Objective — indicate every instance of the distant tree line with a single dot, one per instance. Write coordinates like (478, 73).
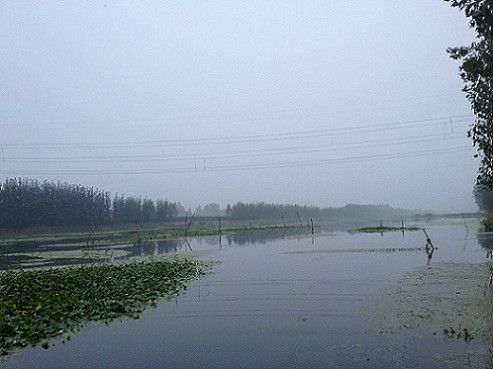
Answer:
(209, 210)
(263, 210)
(31, 203)
(126, 210)
(28, 203)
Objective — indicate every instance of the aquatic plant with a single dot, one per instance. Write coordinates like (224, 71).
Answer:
(38, 304)
(453, 298)
(357, 250)
(130, 234)
(382, 229)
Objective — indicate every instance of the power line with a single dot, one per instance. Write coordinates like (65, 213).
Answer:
(354, 159)
(259, 137)
(243, 153)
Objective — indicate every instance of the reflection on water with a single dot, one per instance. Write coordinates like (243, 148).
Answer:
(245, 238)
(32, 254)
(153, 248)
(429, 248)
(485, 240)
(429, 252)
(59, 252)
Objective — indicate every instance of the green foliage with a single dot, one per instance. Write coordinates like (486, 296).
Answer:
(477, 73)
(294, 213)
(29, 203)
(386, 229)
(488, 224)
(36, 305)
(483, 197)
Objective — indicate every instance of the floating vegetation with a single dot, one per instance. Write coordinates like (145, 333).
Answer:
(94, 254)
(36, 305)
(386, 229)
(358, 250)
(133, 234)
(451, 333)
(449, 299)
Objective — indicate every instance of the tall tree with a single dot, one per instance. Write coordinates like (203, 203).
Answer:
(483, 197)
(148, 211)
(30, 203)
(477, 73)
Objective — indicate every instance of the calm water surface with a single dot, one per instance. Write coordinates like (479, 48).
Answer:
(267, 307)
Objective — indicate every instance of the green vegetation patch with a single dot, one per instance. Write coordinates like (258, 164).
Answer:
(358, 250)
(135, 235)
(488, 223)
(76, 254)
(451, 299)
(386, 229)
(38, 304)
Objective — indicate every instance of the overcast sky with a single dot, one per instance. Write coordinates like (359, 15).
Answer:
(312, 102)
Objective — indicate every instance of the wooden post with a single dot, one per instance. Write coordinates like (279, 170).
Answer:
(313, 230)
(428, 240)
(188, 244)
(299, 218)
(188, 227)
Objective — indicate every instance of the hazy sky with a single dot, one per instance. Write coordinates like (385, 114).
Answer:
(310, 102)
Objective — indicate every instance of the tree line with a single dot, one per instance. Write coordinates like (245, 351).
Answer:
(26, 203)
(30, 203)
(264, 210)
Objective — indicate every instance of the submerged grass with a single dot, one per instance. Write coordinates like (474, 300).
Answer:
(451, 299)
(357, 250)
(38, 304)
(95, 254)
(386, 229)
(133, 234)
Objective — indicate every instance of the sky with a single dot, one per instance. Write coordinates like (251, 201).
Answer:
(311, 102)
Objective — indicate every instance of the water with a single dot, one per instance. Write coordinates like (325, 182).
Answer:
(266, 306)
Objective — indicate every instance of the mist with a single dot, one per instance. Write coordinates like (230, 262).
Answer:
(315, 103)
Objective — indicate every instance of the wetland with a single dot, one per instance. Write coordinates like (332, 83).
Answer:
(285, 297)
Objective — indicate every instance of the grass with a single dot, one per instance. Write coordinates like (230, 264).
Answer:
(95, 254)
(488, 223)
(131, 234)
(357, 250)
(36, 305)
(386, 229)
